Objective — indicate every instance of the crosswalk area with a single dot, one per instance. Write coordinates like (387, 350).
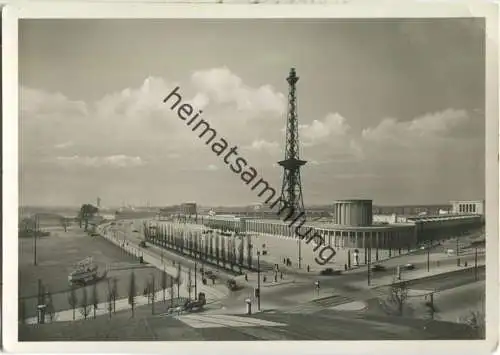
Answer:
(224, 321)
(318, 305)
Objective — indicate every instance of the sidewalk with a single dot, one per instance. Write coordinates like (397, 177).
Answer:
(212, 293)
(410, 275)
(186, 259)
(102, 308)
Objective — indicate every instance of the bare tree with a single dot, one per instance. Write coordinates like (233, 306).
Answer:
(22, 310)
(164, 283)
(132, 290)
(146, 291)
(85, 307)
(94, 299)
(50, 305)
(398, 294)
(171, 291)
(109, 299)
(73, 300)
(152, 289)
(476, 320)
(64, 224)
(41, 292)
(114, 292)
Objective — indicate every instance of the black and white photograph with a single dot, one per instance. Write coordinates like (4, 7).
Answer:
(253, 178)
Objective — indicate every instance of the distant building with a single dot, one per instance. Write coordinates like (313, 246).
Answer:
(355, 226)
(188, 209)
(468, 207)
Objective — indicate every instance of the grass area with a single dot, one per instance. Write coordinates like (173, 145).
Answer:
(56, 255)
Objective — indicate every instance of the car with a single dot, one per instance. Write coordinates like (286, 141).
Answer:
(329, 271)
(142, 244)
(135, 231)
(408, 267)
(378, 268)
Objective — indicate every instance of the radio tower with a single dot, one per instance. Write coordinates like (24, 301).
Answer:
(291, 188)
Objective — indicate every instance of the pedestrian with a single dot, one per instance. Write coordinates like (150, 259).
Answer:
(264, 279)
(345, 267)
(281, 275)
(308, 268)
(246, 277)
(284, 261)
(276, 277)
(213, 280)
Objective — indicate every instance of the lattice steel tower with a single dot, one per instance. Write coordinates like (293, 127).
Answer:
(291, 189)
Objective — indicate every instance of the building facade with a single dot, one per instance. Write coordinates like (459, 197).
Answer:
(468, 207)
(188, 209)
(353, 213)
(356, 227)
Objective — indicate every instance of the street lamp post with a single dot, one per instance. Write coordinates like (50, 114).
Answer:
(300, 251)
(475, 264)
(195, 284)
(428, 254)
(35, 232)
(258, 279)
(369, 260)
(458, 254)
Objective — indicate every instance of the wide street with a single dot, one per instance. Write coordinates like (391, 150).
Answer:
(278, 325)
(298, 286)
(344, 308)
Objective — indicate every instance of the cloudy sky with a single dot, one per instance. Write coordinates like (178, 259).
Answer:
(391, 110)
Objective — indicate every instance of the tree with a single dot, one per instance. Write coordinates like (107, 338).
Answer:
(50, 305)
(114, 292)
(85, 307)
(171, 291)
(22, 310)
(64, 223)
(109, 299)
(86, 211)
(398, 295)
(73, 300)
(152, 289)
(132, 290)
(476, 320)
(189, 283)
(41, 292)
(94, 299)
(164, 283)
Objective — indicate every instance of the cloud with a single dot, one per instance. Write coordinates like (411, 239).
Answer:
(36, 103)
(424, 129)
(318, 131)
(64, 145)
(263, 145)
(224, 87)
(133, 128)
(118, 161)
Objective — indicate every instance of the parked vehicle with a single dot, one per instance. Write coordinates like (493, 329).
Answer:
(408, 267)
(329, 271)
(143, 244)
(378, 268)
(232, 285)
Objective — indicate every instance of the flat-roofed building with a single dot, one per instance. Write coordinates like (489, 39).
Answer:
(468, 207)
